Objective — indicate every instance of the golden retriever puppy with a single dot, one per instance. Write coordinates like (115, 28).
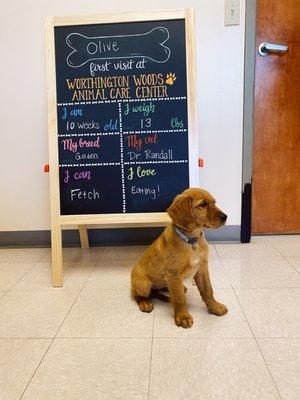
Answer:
(179, 252)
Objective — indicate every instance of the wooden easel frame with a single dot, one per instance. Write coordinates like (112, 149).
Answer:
(59, 221)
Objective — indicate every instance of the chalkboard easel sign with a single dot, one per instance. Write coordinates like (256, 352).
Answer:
(122, 119)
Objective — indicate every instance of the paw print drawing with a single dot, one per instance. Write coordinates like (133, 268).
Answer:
(171, 78)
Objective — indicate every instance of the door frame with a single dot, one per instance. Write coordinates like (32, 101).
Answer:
(248, 121)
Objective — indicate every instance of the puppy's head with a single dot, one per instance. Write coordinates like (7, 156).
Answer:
(196, 208)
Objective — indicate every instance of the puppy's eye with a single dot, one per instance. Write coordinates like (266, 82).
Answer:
(203, 204)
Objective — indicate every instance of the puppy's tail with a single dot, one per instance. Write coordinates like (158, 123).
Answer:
(155, 294)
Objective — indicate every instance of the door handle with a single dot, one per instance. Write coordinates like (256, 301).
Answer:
(264, 48)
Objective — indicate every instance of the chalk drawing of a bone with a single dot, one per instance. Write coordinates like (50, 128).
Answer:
(149, 45)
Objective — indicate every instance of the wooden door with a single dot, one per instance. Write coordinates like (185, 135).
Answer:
(276, 151)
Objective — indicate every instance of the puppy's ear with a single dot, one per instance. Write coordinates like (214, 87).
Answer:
(181, 212)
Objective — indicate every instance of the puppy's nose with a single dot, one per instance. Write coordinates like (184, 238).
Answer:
(223, 217)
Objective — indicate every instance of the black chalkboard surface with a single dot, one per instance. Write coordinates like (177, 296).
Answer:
(122, 116)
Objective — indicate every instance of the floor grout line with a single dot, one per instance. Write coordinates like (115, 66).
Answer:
(77, 337)
(220, 337)
(34, 372)
(248, 323)
(257, 344)
(254, 287)
(151, 352)
(27, 272)
(224, 269)
(154, 337)
(3, 293)
(45, 255)
(83, 288)
(283, 256)
(51, 342)
(70, 289)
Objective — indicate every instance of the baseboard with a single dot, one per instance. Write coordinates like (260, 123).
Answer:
(108, 237)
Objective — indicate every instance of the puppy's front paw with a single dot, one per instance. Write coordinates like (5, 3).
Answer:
(146, 305)
(185, 320)
(217, 308)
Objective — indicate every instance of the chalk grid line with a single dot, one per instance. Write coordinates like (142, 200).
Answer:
(156, 162)
(155, 131)
(124, 163)
(88, 134)
(79, 103)
(122, 156)
(121, 133)
(104, 164)
(124, 133)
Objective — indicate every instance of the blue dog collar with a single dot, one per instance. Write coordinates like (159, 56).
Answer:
(185, 238)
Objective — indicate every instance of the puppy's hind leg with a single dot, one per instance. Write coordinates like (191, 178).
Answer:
(141, 289)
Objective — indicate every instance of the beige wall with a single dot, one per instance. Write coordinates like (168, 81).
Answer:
(24, 196)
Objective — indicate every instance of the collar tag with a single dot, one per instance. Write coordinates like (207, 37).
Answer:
(192, 241)
(185, 238)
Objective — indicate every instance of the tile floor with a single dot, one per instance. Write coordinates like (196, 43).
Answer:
(89, 341)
